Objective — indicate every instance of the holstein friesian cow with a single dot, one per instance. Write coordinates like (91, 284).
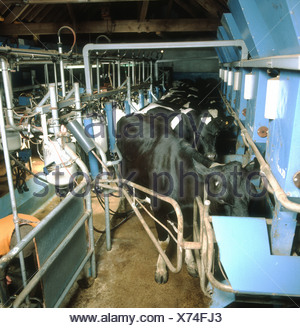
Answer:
(200, 128)
(154, 157)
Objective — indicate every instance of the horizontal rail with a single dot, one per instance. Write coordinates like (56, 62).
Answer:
(290, 62)
(130, 199)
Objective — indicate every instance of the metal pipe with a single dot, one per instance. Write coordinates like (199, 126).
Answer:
(45, 98)
(133, 73)
(210, 252)
(154, 239)
(77, 103)
(71, 75)
(46, 74)
(4, 261)
(88, 201)
(77, 160)
(62, 72)
(156, 71)
(264, 166)
(55, 80)
(54, 109)
(150, 73)
(11, 189)
(114, 76)
(119, 74)
(88, 205)
(139, 81)
(37, 277)
(8, 94)
(29, 52)
(98, 75)
(160, 45)
(44, 127)
(172, 202)
(143, 70)
(199, 235)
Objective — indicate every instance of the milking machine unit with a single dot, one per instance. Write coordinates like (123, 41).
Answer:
(74, 133)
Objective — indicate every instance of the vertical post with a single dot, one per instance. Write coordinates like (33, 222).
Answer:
(7, 84)
(46, 75)
(54, 109)
(11, 191)
(98, 75)
(133, 73)
(110, 125)
(127, 107)
(143, 70)
(156, 71)
(150, 99)
(88, 124)
(88, 203)
(283, 231)
(141, 99)
(114, 75)
(119, 74)
(77, 103)
(62, 72)
(139, 80)
(55, 80)
(112, 142)
(157, 92)
(71, 76)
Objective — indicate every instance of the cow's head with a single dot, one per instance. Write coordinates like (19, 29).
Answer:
(206, 143)
(229, 187)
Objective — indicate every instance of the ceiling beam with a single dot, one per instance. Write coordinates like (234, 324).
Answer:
(144, 10)
(44, 13)
(119, 26)
(35, 12)
(15, 14)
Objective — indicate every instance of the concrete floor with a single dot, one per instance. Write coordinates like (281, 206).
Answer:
(125, 277)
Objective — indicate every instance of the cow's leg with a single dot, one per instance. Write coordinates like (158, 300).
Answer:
(191, 263)
(161, 273)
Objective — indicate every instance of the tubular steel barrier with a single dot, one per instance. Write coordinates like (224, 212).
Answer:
(86, 216)
(203, 244)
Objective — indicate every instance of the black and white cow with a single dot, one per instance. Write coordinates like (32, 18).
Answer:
(154, 157)
(200, 129)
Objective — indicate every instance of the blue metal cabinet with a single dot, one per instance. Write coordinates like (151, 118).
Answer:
(256, 108)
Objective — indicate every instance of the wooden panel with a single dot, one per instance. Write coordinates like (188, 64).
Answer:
(120, 26)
